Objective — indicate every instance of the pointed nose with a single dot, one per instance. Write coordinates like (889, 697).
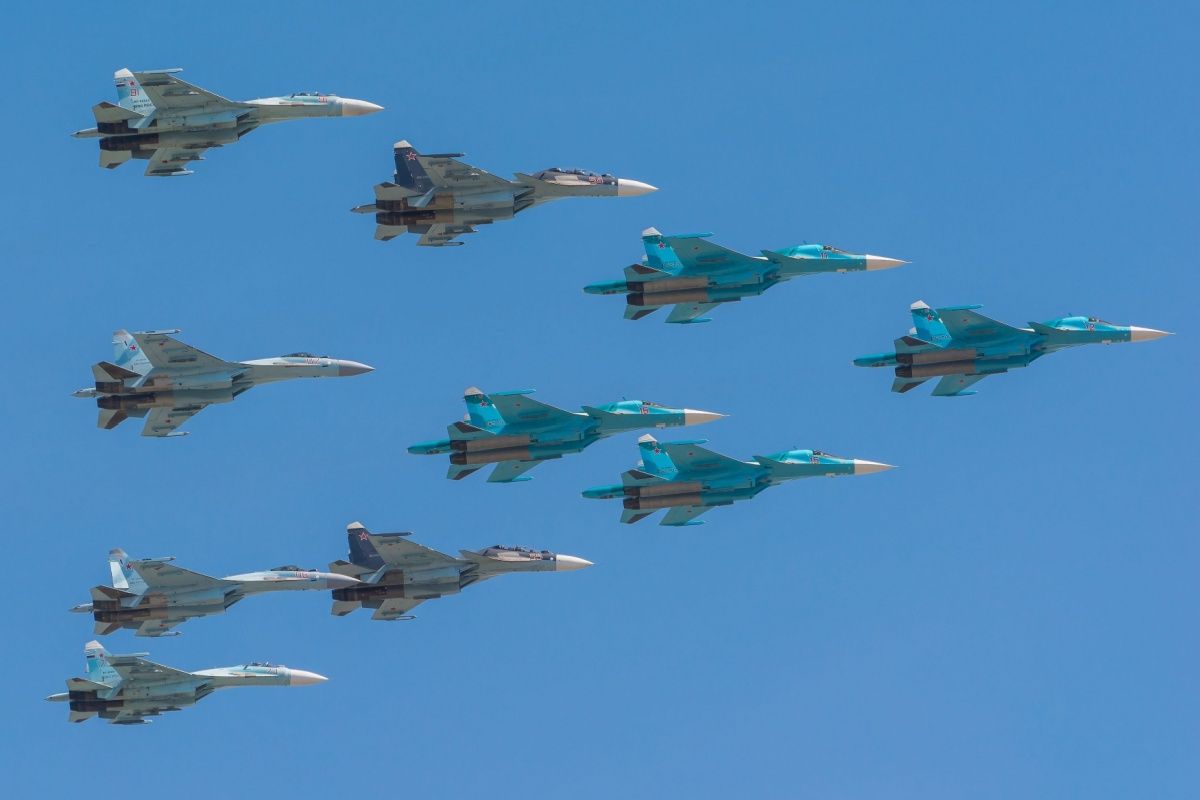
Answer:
(629, 188)
(693, 417)
(565, 563)
(335, 581)
(1137, 334)
(867, 467)
(348, 368)
(300, 677)
(881, 262)
(358, 108)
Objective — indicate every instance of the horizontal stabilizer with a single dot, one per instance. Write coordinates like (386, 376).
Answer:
(636, 477)
(109, 593)
(108, 371)
(630, 516)
(457, 472)
(340, 567)
(902, 385)
(393, 191)
(910, 344)
(111, 159)
(463, 431)
(644, 272)
(84, 685)
(109, 418)
(107, 112)
(343, 607)
(637, 312)
(385, 233)
(105, 628)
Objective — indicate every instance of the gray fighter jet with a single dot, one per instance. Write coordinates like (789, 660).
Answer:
(396, 575)
(126, 689)
(442, 198)
(169, 382)
(151, 596)
(171, 122)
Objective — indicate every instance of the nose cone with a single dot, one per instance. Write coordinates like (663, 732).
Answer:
(1137, 334)
(694, 417)
(567, 563)
(335, 581)
(300, 677)
(629, 188)
(881, 262)
(358, 108)
(867, 467)
(348, 368)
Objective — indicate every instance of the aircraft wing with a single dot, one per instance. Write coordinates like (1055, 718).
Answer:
(137, 670)
(168, 161)
(163, 421)
(951, 385)
(967, 324)
(693, 460)
(450, 173)
(166, 352)
(395, 607)
(511, 471)
(403, 553)
(689, 312)
(700, 256)
(158, 627)
(684, 515)
(523, 408)
(161, 575)
(441, 235)
(169, 93)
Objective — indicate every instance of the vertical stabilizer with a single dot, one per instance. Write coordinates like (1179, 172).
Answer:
(127, 354)
(123, 577)
(659, 254)
(655, 460)
(130, 94)
(98, 668)
(481, 410)
(362, 552)
(928, 324)
(409, 172)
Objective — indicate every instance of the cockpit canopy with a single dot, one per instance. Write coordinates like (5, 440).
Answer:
(261, 664)
(554, 172)
(303, 355)
(290, 568)
(524, 551)
(308, 94)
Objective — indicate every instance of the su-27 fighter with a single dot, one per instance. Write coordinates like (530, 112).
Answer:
(171, 122)
(963, 347)
(125, 689)
(696, 276)
(516, 432)
(690, 480)
(395, 574)
(155, 376)
(442, 198)
(152, 596)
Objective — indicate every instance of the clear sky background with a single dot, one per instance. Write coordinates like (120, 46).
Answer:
(1011, 613)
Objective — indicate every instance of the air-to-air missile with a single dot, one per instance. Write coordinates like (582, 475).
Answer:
(696, 276)
(153, 374)
(151, 596)
(963, 347)
(171, 122)
(395, 574)
(516, 432)
(690, 480)
(442, 198)
(125, 689)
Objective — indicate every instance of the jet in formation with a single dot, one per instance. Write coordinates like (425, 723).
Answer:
(963, 347)
(151, 596)
(696, 276)
(690, 480)
(516, 432)
(125, 689)
(442, 198)
(172, 122)
(155, 376)
(393, 575)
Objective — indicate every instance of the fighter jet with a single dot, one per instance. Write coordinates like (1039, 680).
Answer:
(442, 198)
(152, 373)
(151, 596)
(690, 480)
(697, 276)
(964, 347)
(126, 689)
(396, 574)
(171, 122)
(516, 433)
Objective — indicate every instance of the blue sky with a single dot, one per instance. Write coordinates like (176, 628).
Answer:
(1009, 614)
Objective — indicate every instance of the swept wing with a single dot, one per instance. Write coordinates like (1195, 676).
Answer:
(401, 552)
(163, 576)
(169, 93)
(450, 173)
(166, 352)
(699, 256)
(968, 324)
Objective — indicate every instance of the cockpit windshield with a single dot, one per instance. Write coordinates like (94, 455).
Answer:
(548, 174)
(290, 568)
(307, 94)
(261, 664)
(525, 551)
(831, 249)
(1098, 321)
(303, 355)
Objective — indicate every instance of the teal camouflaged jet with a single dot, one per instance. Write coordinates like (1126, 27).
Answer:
(156, 376)
(126, 689)
(393, 574)
(516, 432)
(171, 122)
(696, 276)
(151, 596)
(690, 480)
(963, 347)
